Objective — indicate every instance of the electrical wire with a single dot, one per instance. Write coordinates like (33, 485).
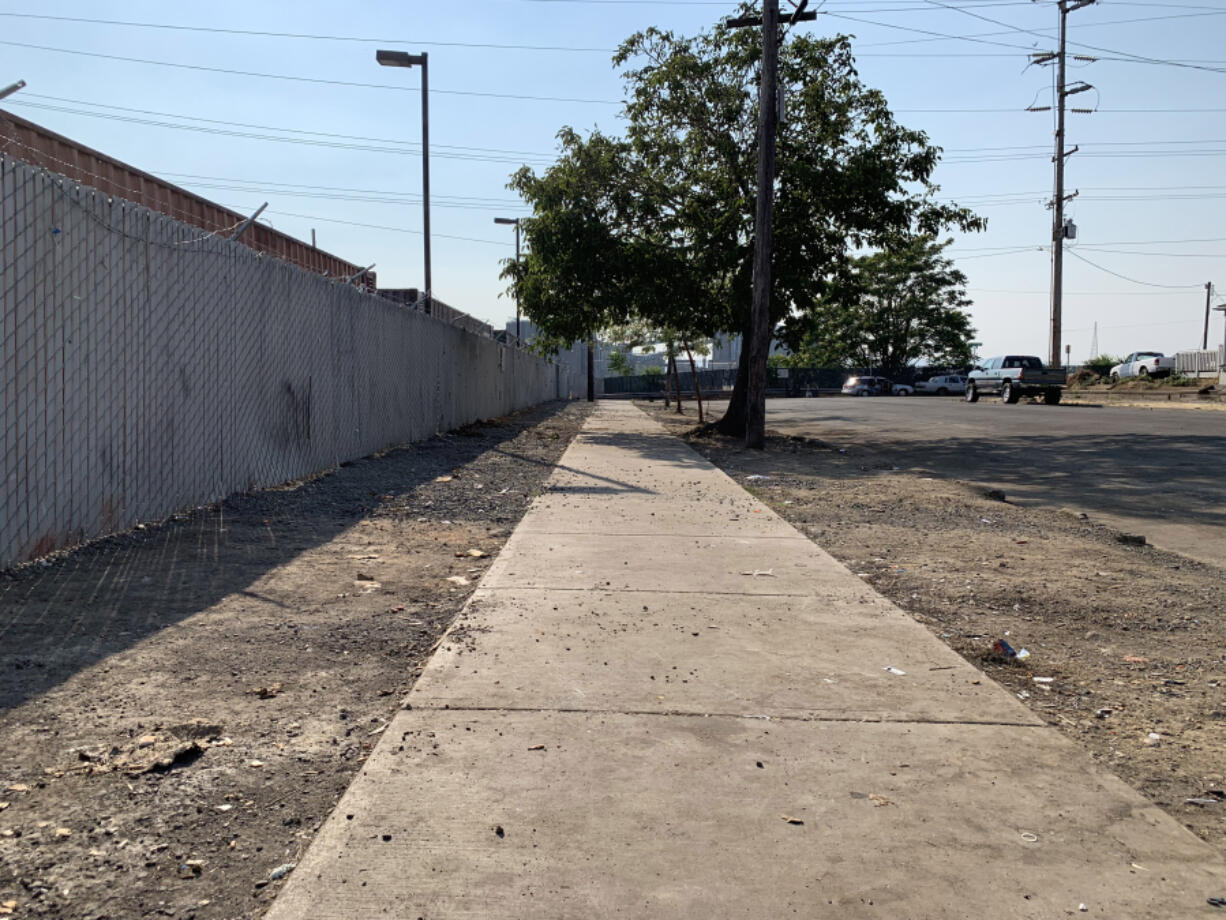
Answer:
(353, 223)
(300, 35)
(242, 124)
(1073, 293)
(297, 79)
(266, 183)
(1073, 252)
(306, 142)
(303, 36)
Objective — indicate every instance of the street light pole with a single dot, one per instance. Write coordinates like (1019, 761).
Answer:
(515, 221)
(404, 59)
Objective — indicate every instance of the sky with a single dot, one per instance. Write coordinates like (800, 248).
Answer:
(332, 141)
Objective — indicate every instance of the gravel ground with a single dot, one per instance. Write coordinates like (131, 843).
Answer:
(1127, 644)
(182, 705)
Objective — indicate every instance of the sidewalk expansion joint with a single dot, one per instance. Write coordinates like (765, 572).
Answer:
(609, 589)
(675, 713)
(799, 537)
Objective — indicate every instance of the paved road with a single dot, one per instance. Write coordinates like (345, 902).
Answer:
(1159, 472)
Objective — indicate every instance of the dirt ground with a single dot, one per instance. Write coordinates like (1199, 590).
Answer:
(181, 706)
(1127, 644)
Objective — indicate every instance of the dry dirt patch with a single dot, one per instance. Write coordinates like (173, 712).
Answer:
(181, 706)
(1127, 644)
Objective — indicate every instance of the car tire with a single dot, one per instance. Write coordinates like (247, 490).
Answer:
(1115, 378)
(972, 395)
(902, 392)
(942, 391)
(1142, 371)
(1052, 396)
(1009, 394)
(861, 392)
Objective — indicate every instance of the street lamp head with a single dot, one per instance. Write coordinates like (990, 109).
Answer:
(513, 221)
(12, 88)
(399, 59)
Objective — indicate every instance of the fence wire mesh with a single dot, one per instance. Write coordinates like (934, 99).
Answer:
(148, 366)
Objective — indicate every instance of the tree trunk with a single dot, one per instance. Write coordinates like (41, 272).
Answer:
(733, 422)
(694, 373)
(591, 374)
(676, 383)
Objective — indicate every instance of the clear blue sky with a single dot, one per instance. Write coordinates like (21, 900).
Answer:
(1150, 171)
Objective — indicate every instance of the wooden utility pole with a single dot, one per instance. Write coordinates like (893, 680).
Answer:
(768, 121)
(760, 314)
(1204, 345)
(1058, 231)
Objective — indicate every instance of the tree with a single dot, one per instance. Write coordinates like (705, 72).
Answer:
(887, 311)
(659, 224)
(620, 364)
(571, 279)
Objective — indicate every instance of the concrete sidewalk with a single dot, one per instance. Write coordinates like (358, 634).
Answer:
(664, 701)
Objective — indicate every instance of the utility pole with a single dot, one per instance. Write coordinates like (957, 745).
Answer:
(1058, 230)
(759, 317)
(768, 121)
(1204, 345)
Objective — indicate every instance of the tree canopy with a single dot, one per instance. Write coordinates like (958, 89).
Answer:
(658, 224)
(888, 310)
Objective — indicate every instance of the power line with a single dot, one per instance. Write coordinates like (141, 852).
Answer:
(305, 36)
(1075, 255)
(1020, 147)
(302, 141)
(353, 223)
(1219, 239)
(242, 124)
(296, 79)
(1073, 293)
(266, 183)
(1159, 255)
(490, 155)
(1216, 11)
(1122, 56)
(945, 35)
(301, 35)
(415, 149)
(996, 22)
(400, 201)
(1014, 111)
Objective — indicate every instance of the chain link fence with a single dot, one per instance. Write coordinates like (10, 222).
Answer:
(148, 366)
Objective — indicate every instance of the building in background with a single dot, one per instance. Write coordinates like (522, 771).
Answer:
(726, 352)
(33, 144)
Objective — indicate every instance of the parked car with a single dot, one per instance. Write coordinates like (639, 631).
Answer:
(875, 386)
(1143, 364)
(943, 385)
(1015, 376)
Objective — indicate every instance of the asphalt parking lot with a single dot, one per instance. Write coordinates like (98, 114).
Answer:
(1158, 472)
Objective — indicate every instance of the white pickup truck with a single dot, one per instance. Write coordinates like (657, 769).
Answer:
(1143, 364)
